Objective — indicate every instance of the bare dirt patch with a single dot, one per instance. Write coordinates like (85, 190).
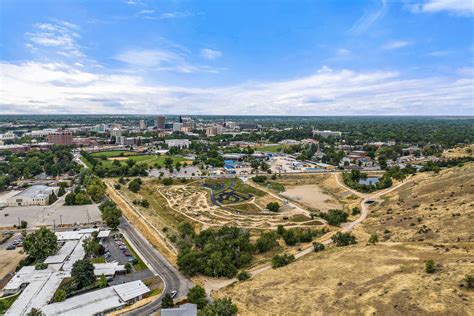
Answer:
(9, 259)
(311, 196)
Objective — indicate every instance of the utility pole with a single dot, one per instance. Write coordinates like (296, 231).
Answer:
(61, 219)
(19, 222)
(54, 225)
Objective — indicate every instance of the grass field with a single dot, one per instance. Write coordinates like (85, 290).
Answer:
(272, 148)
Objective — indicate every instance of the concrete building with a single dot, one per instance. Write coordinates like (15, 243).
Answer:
(38, 286)
(7, 136)
(183, 310)
(214, 130)
(180, 143)
(34, 195)
(160, 122)
(326, 134)
(116, 132)
(61, 138)
(177, 126)
(142, 125)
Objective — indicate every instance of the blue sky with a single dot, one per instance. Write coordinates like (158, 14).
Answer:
(319, 57)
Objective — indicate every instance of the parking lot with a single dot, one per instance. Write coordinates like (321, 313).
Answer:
(117, 250)
(48, 215)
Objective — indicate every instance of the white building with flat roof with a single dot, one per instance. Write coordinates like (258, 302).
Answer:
(34, 195)
(326, 133)
(180, 143)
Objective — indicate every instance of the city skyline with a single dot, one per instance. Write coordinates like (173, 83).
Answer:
(207, 58)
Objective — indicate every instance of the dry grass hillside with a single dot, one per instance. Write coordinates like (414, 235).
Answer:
(429, 218)
(385, 279)
(434, 207)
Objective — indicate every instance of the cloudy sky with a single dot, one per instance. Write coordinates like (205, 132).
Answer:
(279, 57)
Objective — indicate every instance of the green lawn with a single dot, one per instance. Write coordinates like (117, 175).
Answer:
(6, 302)
(139, 265)
(272, 148)
(275, 186)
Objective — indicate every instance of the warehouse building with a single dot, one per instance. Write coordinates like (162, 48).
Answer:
(34, 195)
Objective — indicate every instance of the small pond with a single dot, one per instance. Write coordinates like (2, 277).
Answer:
(369, 181)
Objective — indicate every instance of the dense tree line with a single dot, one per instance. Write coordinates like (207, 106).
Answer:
(111, 214)
(130, 168)
(215, 252)
(54, 162)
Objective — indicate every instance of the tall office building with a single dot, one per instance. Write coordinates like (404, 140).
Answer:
(160, 122)
(61, 138)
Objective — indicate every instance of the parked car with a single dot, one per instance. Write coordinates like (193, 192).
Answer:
(11, 247)
(174, 293)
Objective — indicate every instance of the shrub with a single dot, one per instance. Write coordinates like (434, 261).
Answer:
(282, 260)
(167, 301)
(318, 247)
(267, 241)
(469, 281)
(355, 210)
(197, 295)
(430, 266)
(41, 266)
(135, 185)
(259, 179)
(117, 186)
(273, 206)
(334, 217)
(243, 275)
(167, 181)
(59, 296)
(344, 239)
(374, 238)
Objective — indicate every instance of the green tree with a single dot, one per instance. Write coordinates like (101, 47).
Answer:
(111, 216)
(343, 239)
(134, 186)
(82, 273)
(128, 267)
(273, 206)
(102, 282)
(40, 244)
(81, 198)
(167, 301)
(61, 191)
(282, 260)
(70, 199)
(59, 296)
(220, 307)
(197, 295)
(23, 224)
(267, 241)
(96, 189)
(430, 266)
(91, 246)
(52, 198)
(355, 210)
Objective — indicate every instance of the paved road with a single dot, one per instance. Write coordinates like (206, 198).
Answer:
(172, 278)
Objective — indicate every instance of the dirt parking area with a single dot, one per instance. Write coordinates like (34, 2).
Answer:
(311, 196)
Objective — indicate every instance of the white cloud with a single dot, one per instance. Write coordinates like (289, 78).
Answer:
(396, 44)
(160, 60)
(368, 18)
(457, 7)
(439, 53)
(59, 88)
(210, 54)
(342, 52)
(61, 36)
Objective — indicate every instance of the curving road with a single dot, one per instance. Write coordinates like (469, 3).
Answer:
(172, 278)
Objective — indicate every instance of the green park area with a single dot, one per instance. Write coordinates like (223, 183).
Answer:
(107, 158)
(272, 148)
